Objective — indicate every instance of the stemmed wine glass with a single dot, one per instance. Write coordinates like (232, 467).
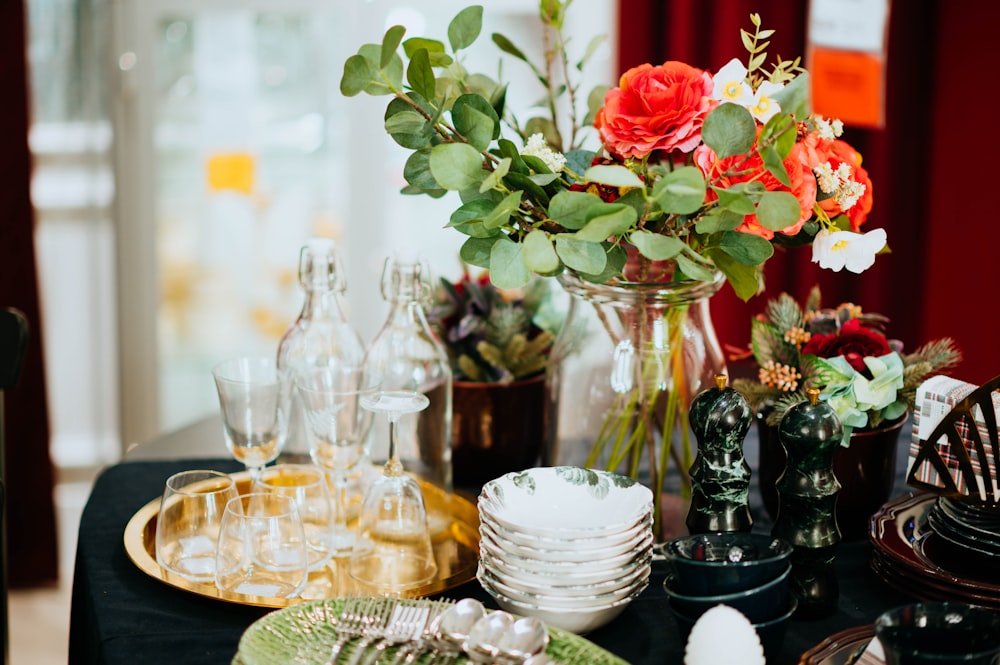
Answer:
(255, 397)
(337, 428)
(392, 549)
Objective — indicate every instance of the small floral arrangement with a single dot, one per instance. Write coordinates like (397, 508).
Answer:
(844, 352)
(495, 335)
(705, 172)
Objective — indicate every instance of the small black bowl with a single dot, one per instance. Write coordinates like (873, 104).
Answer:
(710, 564)
(771, 633)
(939, 632)
(758, 604)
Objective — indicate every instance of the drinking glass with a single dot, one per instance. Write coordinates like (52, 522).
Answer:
(337, 428)
(939, 633)
(392, 550)
(262, 547)
(307, 485)
(187, 527)
(255, 398)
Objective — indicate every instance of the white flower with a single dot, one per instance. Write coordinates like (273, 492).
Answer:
(839, 185)
(730, 85)
(764, 107)
(537, 147)
(836, 250)
(828, 129)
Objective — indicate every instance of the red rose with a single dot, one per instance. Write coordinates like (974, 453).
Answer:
(655, 108)
(854, 342)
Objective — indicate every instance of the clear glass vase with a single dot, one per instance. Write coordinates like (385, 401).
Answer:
(632, 357)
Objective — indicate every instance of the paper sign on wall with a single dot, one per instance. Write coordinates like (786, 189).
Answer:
(233, 171)
(846, 56)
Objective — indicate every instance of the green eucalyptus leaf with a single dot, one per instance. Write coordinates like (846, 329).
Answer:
(656, 246)
(358, 74)
(476, 120)
(613, 175)
(392, 72)
(742, 278)
(508, 149)
(539, 254)
(533, 191)
(681, 191)
(501, 213)
(456, 166)
(780, 131)
(535, 164)
(595, 101)
(776, 165)
(543, 179)
(747, 248)
(545, 127)
(735, 199)
(592, 47)
(718, 219)
(507, 46)
(578, 161)
(417, 170)
(468, 218)
(636, 199)
(393, 36)
(465, 27)
(605, 221)
(569, 209)
(493, 180)
(476, 251)
(778, 210)
(729, 130)
(420, 74)
(435, 193)
(433, 46)
(794, 97)
(507, 268)
(693, 269)
(613, 265)
(407, 127)
(586, 257)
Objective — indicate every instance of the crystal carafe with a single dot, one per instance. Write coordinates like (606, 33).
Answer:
(407, 355)
(320, 336)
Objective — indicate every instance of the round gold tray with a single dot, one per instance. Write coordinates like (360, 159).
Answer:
(456, 550)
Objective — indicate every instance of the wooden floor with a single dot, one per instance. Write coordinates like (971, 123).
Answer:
(39, 619)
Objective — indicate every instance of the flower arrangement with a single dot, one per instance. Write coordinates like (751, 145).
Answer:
(709, 172)
(495, 335)
(844, 352)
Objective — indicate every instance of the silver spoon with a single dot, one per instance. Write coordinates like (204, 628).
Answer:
(455, 624)
(527, 637)
(486, 634)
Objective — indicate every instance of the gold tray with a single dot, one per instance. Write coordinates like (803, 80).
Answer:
(455, 549)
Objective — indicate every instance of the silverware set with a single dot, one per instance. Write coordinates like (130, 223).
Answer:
(377, 631)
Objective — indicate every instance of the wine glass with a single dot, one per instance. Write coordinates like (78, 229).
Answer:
(337, 428)
(255, 397)
(392, 549)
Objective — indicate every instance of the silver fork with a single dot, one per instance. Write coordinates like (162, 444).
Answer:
(406, 625)
(375, 624)
(350, 624)
(427, 640)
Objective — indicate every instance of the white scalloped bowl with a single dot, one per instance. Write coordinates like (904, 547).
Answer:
(565, 553)
(586, 546)
(579, 620)
(565, 502)
(613, 581)
(594, 599)
(550, 573)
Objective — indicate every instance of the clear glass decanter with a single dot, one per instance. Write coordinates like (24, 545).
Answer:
(408, 356)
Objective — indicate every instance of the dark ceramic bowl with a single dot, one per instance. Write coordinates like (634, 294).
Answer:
(939, 633)
(771, 633)
(710, 564)
(759, 604)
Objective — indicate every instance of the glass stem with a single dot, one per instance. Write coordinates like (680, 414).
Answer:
(392, 465)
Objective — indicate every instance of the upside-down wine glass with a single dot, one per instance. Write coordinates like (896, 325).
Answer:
(392, 550)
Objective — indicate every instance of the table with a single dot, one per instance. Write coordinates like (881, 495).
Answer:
(122, 616)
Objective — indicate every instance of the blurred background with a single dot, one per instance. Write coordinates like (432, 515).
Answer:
(165, 160)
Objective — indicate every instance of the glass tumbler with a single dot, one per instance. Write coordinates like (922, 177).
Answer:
(187, 526)
(307, 485)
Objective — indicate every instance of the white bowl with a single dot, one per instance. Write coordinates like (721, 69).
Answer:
(562, 602)
(608, 585)
(564, 539)
(578, 620)
(566, 556)
(547, 574)
(565, 501)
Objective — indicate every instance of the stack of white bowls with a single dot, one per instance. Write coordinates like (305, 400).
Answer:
(568, 545)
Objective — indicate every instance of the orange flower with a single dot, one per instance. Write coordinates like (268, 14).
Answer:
(842, 153)
(751, 168)
(655, 108)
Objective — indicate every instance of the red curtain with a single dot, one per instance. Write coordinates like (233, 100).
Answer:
(936, 282)
(32, 554)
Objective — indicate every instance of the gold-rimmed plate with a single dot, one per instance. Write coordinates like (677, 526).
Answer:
(456, 550)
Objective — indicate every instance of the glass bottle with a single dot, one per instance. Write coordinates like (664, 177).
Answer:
(320, 336)
(409, 356)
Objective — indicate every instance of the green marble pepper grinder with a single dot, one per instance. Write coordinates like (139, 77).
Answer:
(810, 432)
(720, 475)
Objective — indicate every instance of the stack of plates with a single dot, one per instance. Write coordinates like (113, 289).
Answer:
(568, 545)
(917, 549)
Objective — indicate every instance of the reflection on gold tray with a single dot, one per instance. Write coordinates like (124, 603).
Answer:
(456, 551)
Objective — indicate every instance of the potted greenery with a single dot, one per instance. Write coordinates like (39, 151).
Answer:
(500, 345)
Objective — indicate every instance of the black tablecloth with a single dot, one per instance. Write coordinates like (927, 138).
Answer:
(122, 616)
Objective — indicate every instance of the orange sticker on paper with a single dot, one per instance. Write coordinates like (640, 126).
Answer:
(848, 85)
(231, 172)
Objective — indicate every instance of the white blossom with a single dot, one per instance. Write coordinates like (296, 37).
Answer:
(836, 250)
(537, 147)
(828, 129)
(730, 85)
(764, 107)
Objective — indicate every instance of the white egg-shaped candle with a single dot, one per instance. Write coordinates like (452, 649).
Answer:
(723, 635)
